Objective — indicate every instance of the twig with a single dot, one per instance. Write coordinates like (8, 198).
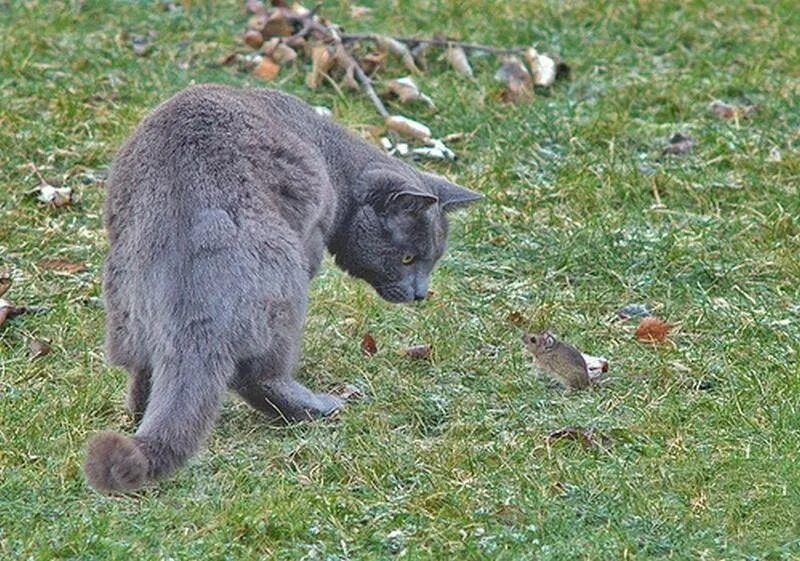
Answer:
(333, 37)
(413, 41)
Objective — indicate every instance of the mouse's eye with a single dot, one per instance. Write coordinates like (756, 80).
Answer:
(407, 259)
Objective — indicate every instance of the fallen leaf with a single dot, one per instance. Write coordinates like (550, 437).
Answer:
(407, 90)
(278, 51)
(227, 60)
(543, 68)
(359, 11)
(54, 196)
(253, 38)
(349, 391)
(322, 61)
(140, 44)
(323, 111)
(257, 22)
(652, 330)
(5, 310)
(255, 6)
(37, 348)
(266, 69)
(59, 264)
(775, 155)
(515, 318)
(370, 62)
(344, 61)
(277, 25)
(679, 145)
(5, 282)
(396, 48)
(408, 127)
(457, 58)
(588, 437)
(597, 366)
(420, 53)
(730, 111)
(519, 85)
(368, 345)
(629, 311)
(418, 351)
(437, 151)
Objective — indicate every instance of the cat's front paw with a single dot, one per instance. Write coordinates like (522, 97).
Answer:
(329, 405)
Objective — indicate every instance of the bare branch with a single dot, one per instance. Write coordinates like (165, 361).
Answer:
(414, 41)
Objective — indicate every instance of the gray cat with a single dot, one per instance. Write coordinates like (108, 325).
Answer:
(218, 211)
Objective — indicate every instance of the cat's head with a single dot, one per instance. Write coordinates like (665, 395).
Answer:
(398, 229)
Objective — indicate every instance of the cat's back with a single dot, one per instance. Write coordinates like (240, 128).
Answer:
(214, 146)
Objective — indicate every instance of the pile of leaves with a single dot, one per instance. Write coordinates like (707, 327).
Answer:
(281, 35)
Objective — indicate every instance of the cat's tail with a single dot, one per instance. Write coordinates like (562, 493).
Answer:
(185, 396)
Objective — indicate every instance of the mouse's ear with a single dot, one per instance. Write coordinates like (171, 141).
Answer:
(549, 339)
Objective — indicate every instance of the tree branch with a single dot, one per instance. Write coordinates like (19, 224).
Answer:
(414, 41)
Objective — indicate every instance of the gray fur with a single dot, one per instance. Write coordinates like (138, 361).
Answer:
(218, 211)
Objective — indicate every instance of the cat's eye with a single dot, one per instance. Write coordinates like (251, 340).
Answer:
(407, 259)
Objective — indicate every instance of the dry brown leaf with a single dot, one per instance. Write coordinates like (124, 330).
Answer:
(257, 22)
(679, 145)
(652, 330)
(322, 61)
(59, 264)
(359, 11)
(407, 90)
(54, 196)
(398, 49)
(420, 53)
(5, 282)
(597, 366)
(515, 318)
(418, 351)
(278, 51)
(368, 345)
(37, 348)
(370, 62)
(253, 38)
(730, 111)
(408, 127)
(277, 25)
(457, 58)
(266, 69)
(255, 6)
(588, 437)
(349, 391)
(518, 81)
(543, 68)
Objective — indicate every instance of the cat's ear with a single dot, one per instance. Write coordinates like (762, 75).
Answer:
(451, 196)
(390, 193)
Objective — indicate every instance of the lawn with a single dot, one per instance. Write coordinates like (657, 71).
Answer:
(447, 457)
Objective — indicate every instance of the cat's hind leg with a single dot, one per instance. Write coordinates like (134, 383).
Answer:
(138, 392)
(185, 396)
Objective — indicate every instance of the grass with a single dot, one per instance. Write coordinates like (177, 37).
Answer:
(447, 457)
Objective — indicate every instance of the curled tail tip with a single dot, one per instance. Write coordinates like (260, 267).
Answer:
(115, 464)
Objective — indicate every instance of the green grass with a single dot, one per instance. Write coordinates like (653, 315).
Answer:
(447, 458)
